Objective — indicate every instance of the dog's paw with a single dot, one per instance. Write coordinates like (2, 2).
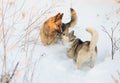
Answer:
(91, 65)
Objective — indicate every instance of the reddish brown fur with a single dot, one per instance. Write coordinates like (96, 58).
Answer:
(48, 32)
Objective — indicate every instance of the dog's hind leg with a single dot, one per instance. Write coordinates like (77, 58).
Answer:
(80, 60)
(79, 63)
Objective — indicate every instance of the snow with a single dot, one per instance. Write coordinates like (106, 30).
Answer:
(50, 64)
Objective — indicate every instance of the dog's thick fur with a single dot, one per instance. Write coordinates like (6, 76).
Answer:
(65, 26)
(81, 51)
(53, 27)
(48, 32)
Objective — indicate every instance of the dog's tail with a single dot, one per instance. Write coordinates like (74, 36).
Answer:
(73, 20)
(65, 26)
(94, 38)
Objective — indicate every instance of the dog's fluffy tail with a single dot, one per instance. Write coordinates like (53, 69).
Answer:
(73, 20)
(94, 38)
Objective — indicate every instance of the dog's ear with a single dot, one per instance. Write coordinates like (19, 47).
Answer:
(72, 36)
(71, 33)
(58, 17)
(61, 16)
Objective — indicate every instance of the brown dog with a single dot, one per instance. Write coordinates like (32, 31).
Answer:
(51, 27)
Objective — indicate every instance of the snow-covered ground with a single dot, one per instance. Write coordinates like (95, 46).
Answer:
(50, 64)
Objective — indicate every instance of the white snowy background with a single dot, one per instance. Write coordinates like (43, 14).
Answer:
(50, 64)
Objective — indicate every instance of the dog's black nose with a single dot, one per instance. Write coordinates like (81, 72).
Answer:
(58, 32)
